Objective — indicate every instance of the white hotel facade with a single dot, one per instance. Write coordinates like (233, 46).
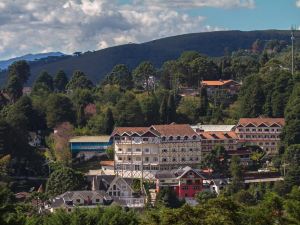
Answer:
(143, 151)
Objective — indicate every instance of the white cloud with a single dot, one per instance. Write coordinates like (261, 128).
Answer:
(200, 3)
(81, 25)
(298, 3)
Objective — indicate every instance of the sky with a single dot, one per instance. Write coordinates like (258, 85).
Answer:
(38, 26)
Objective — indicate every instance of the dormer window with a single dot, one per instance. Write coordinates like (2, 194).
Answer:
(163, 138)
(178, 138)
(194, 137)
(186, 137)
(170, 138)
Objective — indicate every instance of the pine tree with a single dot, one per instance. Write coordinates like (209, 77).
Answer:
(109, 121)
(14, 88)
(60, 81)
(203, 106)
(163, 110)
(171, 109)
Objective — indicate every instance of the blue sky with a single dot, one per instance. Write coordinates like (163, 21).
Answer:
(38, 26)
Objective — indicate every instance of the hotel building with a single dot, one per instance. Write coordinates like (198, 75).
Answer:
(143, 151)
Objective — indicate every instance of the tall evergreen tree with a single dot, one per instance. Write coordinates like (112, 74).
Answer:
(171, 109)
(109, 121)
(44, 80)
(203, 106)
(163, 110)
(14, 88)
(60, 81)
(20, 69)
(291, 131)
(79, 81)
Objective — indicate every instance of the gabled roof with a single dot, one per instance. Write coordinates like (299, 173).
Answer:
(157, 130)
(217, 82)
(176, 173)
(218, 135)
(129, 131)
(174, 130)
(260, 120)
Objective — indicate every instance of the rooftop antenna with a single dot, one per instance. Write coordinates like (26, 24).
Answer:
(293, 39)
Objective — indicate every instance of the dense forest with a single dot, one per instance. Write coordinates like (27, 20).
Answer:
(140, 97)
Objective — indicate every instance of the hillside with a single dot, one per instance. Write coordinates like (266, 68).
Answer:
(98, 63)
(29, 57)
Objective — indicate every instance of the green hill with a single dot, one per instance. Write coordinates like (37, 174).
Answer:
(98, 63)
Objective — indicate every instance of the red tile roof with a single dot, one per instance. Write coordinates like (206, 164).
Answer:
(174, 130)
(217, 82)
(258, 121)
(218, 134)
(107, 163)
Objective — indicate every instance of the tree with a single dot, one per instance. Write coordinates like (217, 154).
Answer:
(60, 81)
(291, 131)
(79, 81)
(203, 196)
(217, 160)
(163, 110)
(64, 179)
(59, 109)
(150, 109)
(168, 198)
(203, 106)
(14, 88)
(109, 121)
(142, 73)
(171, 109)
(129, 111)
(237, 181)
(121, 76)
(19, 69)
(292, 157)
(46, 80)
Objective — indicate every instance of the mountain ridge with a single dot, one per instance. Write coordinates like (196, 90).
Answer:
(98, 63)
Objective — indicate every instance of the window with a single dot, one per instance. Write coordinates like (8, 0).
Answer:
(197, 187)
(164, 150)
(129, 149)
(147, 150)
(155, 159)
(163, 138)
(185, 188)
(194, 137)
(183, 149)
(191, 158)
(138, 150)
(145, 139)
(154, 167)
(129, 158)
(78, 200)
(117, 138)
(196, 159)
(146, 159)
(173, 150)
(178, 138)
(97, 200)
(136, 167)
(189, 182)
(119, 149)
(174, 159)
(138, 158)
(186, 137)
(182, 159)
(191, 149)
(164, 159)
(119, 158)
(171, 138)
